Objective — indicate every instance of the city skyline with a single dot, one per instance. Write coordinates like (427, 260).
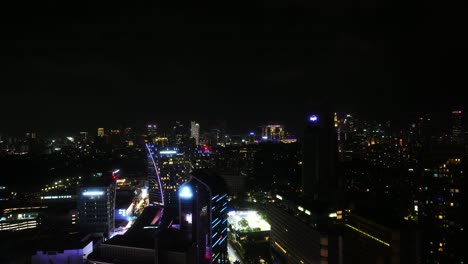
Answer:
(69, 66)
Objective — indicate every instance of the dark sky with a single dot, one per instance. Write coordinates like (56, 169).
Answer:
(69, 65)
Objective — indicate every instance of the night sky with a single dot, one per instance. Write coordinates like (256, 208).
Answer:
(68, 66)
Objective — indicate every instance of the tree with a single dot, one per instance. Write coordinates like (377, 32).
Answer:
(244, 223)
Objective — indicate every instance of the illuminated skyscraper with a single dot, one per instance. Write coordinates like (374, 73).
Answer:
(195, 132)
(178, 134)
(174, 170)
(456, 131)
(96, 205)
(151, 130)
(203, 213)
(155, 187)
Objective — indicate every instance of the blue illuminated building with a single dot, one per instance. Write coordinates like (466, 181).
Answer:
(203, 214)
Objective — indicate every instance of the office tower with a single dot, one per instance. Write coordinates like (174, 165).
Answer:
(456, 130)
(178, 134)
(273, 132)
(440, 206)
(101, 132)
(155, 187)
(174, 170)
(203, 214)
(251, 139)
(151, 130)
(195, 132)
(96, 204)
(319, 158)
(299, 232)
(424, 130)
(83, 135)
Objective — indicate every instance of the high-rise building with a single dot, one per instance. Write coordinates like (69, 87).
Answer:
(203, 214)
(320, 154)
(101, 132)
(96, 204)
(178, 134)
(439, 206)
(151, 130)
(154, 184)
(195, 132)
(174, 170)
(456, 131)
(83, 135)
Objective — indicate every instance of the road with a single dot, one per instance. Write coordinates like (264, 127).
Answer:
(232, 254)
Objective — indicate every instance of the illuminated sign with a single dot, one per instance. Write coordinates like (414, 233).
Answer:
(93, 193)
(167, 152)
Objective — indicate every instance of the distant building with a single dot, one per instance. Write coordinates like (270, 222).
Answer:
(83, 135)
(456, 130)
(101, 132)
(96, 205)
(151, 130)
(195, 132)
(178, 134)
(273, 132)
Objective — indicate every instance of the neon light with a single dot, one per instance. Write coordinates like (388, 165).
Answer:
(222, 240)
(368, 235)
(280, 247)
(224, 230)
(185, 192)
(219, 239)
(217, 255)
(214, 235)
(157, 175)
(221, 198)
(215, 224)
(167, 152)
(93, 193)
(215, 197)
(116, 171)
(223, 209)
(214, 221)
(252, 133)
